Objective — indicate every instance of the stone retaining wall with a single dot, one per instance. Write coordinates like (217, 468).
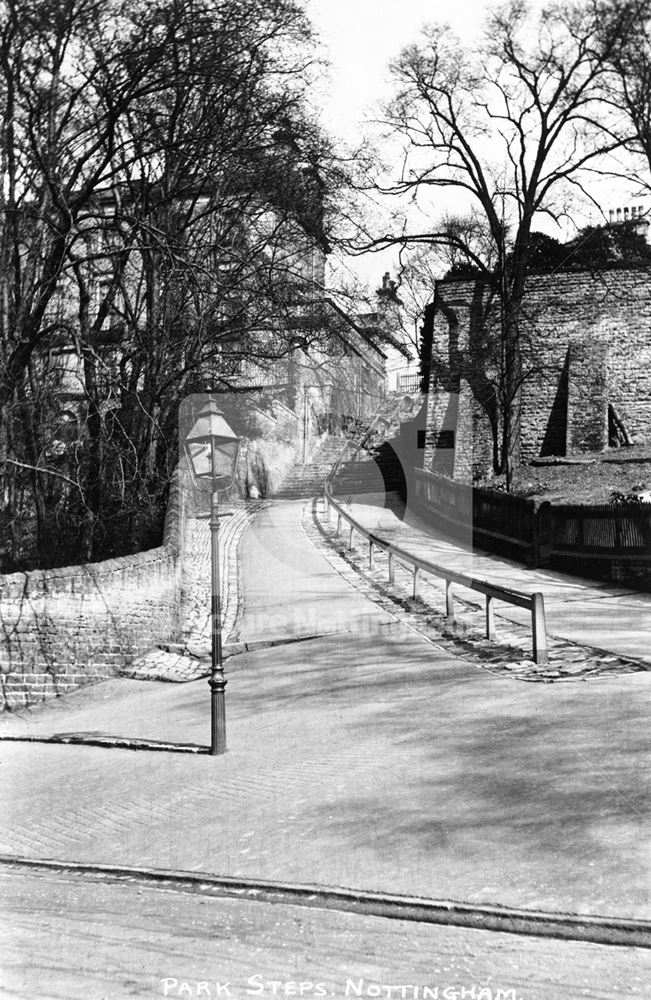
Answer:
(62, 628)
(585, 343)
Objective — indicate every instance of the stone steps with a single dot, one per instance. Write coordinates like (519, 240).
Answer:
(308, 480)
(376, 471)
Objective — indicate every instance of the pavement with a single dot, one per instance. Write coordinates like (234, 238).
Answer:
(363, 753)
(189, 659)
(587, 612)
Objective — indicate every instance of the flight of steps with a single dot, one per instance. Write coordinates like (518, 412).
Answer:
(308, 480)
(379, 471)
(379, 468)
(376, 469)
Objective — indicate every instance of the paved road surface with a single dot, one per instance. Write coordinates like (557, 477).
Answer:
(290, 590)
(368, 758)
(66, 937)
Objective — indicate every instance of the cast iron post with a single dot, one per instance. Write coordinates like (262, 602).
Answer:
(217, 680)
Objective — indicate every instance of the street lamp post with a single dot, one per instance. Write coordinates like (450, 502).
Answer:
(212, 449)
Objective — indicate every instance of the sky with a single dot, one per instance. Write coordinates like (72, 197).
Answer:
(361, 37)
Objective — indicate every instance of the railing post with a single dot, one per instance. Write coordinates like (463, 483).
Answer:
(449, 599)
(535, 601)
(542, 534)
(490, 617)
(538, 628)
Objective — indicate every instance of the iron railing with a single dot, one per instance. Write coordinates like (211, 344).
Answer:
(534, 603)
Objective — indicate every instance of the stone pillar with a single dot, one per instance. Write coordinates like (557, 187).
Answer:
(587, 396)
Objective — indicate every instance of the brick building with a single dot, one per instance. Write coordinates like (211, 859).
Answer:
(586, 361)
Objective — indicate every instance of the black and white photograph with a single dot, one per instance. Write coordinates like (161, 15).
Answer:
(325, 499)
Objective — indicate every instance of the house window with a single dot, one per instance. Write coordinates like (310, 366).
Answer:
(409, 382)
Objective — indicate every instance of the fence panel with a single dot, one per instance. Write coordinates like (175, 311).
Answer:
(609, 541)
(492, 520)
(602, 529)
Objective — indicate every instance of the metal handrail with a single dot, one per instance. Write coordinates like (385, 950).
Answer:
(377, 419)
(534, 603)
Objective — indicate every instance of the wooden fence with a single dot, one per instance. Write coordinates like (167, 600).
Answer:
(495, 521)
(611, 541)
(598, 530)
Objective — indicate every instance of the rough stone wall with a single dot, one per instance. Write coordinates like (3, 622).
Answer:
(586, 342)
(63, 628)
(459, 408)
(587, 396)
(441, 439)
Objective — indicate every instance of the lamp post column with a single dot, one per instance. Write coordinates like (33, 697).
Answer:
(217, 680)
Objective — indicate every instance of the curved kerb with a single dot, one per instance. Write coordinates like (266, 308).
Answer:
(452, 913)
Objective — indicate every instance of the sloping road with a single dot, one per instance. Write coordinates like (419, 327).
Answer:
(366, 758)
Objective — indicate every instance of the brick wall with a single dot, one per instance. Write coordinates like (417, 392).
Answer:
(62, 628)
(586, 342)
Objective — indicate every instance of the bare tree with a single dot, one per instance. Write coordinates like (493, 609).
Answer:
(162, 187)
(627, 88)
(509, 128)
(69, 74)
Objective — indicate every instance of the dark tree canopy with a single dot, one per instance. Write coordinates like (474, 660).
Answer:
(593, 248)
(598, 247)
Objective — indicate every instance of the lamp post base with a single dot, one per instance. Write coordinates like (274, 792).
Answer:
(218, 715)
